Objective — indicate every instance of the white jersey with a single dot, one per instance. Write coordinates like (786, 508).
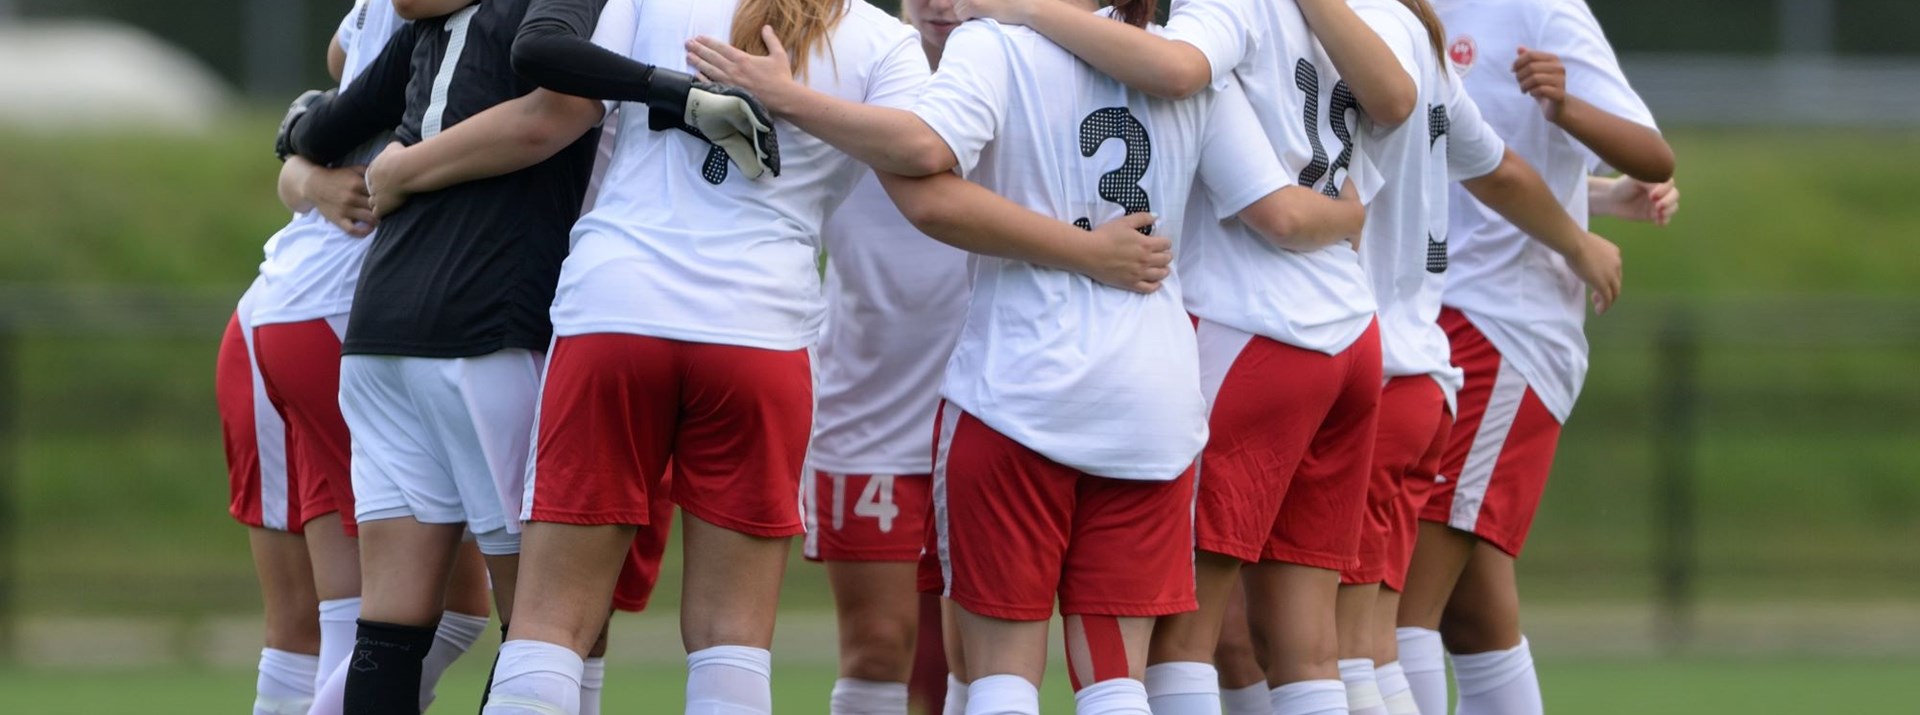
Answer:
(1096, 378)
(310, 267)
(679, 245)
(1517, 291)
(1318, 300)
(1405, 245)
(895, 301)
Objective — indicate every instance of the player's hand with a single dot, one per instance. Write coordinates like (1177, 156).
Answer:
(1635, 200)
(1123, 257)
(730, 108)
(340, 195)
(1012, 12)
(283, 138)
(1544, 78)
(386, 180)
(1598, 265)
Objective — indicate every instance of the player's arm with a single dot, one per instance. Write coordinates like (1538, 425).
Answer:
(325, 129)
(562, 45)
(967, 216)
(423, 9)
(1245, 178)
(1518, 193)
(336, 59)
(507, 137)
(1297, 218)
(1165, 68)
(1630, 199)
(1381, 83)
(339, 194)
(890, 140)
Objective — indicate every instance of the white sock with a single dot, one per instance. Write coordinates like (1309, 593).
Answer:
(592, 680)
(1002, 695)
(1250, 700)
(455, 634)
(1309, 697)
(1425, 662)
(1185, 688)
(1395, 690)
(1363, 692)
(956, 697)
(1118, 696)
(285, 685)
(853, 696)
(535, 678)
(1502, 682)
(339, 627)
(730, 680)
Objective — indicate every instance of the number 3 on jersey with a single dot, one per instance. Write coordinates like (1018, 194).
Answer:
(1120, 186)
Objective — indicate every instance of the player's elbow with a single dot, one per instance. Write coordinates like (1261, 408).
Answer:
(1656, 167)
(1177, 79)
(1395, 106)
(924, 153)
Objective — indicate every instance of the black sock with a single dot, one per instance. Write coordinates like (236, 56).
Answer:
(383, 673)
(494, 667)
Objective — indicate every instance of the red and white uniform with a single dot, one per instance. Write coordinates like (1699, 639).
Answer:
(1288, 355)
(1520, 309)
(895, 301)
(299, 313)
(691, 295)
(1405, 253)
(258, 491)
(1073, 409)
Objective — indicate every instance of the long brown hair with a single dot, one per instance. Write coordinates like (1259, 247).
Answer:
(1436, 32)
(1137, 13)
(800, 25)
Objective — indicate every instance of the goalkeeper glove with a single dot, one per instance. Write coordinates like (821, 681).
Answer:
(728, 117)
(283, 139)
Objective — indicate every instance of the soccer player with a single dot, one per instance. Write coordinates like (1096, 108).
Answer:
(1391, 50)
(895, 300)
(1546, 79)
(1073, 412)
(683, 314)
(1289, 354)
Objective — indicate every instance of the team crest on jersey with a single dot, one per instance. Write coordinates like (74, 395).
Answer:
(1462, 53)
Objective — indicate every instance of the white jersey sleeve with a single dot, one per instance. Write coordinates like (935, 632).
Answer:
(1473, 148)
(901, 76)
(1223, 30)
(968, 98)
(1593, 72)
(1237, 163)
(1396, 34)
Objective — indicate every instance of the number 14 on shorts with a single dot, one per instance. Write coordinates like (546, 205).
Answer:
(867, 517)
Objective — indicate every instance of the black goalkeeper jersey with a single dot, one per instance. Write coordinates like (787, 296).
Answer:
(470, 269)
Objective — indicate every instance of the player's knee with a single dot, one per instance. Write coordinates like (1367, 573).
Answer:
(293, 630)
(878, 650)
(1471, 630)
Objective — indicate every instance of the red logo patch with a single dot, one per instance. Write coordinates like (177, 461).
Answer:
(1462, 53)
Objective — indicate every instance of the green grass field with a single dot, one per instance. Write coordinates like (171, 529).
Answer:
(1571, 687)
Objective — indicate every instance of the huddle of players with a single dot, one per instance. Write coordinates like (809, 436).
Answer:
(1195, 457)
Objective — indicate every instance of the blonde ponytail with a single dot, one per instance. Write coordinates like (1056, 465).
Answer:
(800, 25)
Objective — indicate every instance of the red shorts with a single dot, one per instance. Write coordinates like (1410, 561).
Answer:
(615, 408)
(640, 573)
(300, 366)
(1014, 530)
(1284, 474)
(258, 491)
(1497, 459)
(860, 517)
(1406, 455)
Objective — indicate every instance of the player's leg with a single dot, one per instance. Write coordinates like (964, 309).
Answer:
(1353, 629)
(868, 531)
(1315, 538)
(261, 499)
(1002, 521)
(1243, 681)
(956, 659)
(1181, 677)
(607, 412)
(1126, 566)
(1481, 629)
(927, 684)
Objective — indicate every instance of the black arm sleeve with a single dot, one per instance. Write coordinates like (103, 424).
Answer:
(376, 102)
(555, 50)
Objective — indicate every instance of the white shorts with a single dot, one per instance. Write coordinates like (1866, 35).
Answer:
(442, 440)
